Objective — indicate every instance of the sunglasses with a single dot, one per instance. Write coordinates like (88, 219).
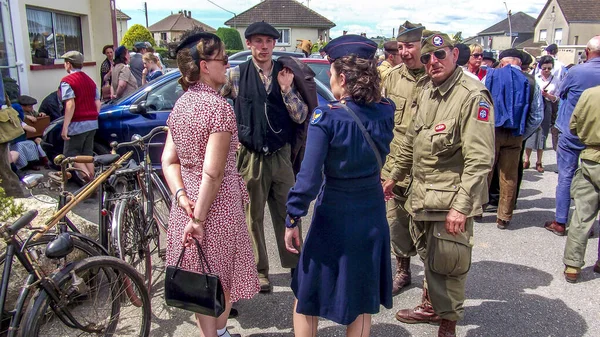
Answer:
(439, 54)
(225, 60)
(477, 55)
(546, 68)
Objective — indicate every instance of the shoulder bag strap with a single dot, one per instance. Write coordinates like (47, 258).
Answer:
(365, 134)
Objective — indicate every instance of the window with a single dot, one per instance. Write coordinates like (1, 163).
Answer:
(163, 36)
(558, 36)
(52, 34)
(284, 34)
(164, 97)
(543, 35)
(576, 40)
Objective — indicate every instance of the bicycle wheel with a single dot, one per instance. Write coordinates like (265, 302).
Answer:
(93, 291)
(132, 244)
(162, 202)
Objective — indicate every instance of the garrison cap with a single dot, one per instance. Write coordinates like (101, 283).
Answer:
(351, 45)
(26, 100)
(261, 28)
(434, 41)
(464, 53)
(488, 55)
(410, 32)
(511, 53)
(73, 57)
(391, 46)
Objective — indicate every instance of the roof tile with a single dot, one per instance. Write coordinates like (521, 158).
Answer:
(281, 12)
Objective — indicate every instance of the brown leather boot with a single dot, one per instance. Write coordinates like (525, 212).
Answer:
(402, 278)
(447, 328)
(423, 313)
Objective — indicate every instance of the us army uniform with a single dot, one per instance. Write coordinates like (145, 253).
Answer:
(450, 148)
(586, 183)
(401, 85)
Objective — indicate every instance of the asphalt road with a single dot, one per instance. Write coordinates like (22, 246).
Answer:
(515, 286)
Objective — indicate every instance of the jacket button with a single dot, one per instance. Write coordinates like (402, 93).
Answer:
(439, 234)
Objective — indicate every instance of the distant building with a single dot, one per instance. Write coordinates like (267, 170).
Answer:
(496, 37)
(122, 24)
(170, 28)
(293, 20)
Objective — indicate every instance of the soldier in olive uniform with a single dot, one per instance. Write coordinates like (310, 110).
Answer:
(401, 87)
(392, 59)
(449, 146)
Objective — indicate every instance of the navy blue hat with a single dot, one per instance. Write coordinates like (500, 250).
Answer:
(261, 28)
(191, 41)
(350, 45)
(511, 53)
(488, 55)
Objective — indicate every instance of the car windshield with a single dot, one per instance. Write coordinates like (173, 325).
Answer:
(321, 71)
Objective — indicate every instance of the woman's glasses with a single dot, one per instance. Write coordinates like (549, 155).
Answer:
(439, 54)
(477, 55)
(225, 60)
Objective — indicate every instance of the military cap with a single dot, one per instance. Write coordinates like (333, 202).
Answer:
(488, 55)
(553, 48)
(464, 53)
(139, 45)
(73, 57)
(410, 32)
(511, 53)
(391, 46)
(26, 100)
(434, 41)
(261, 28)
(351, 45)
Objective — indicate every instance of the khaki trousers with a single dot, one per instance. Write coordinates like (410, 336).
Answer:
(9, 180)
(447, 260)
(508, 151)
(399, 222)
(269, 179)
(585, 191)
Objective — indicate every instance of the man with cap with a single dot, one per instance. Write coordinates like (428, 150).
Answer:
(392, 58)
(488, 59)
(27, 103)
(519, 112)
(402, 86)
(266, 106)
(81, 99)
(559, 70)
(449, 148)
(136, 64)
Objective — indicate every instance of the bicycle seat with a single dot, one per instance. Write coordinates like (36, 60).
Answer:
(106, 159)
(130, 168)
(60, 247)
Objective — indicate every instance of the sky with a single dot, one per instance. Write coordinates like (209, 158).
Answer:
(375, 18)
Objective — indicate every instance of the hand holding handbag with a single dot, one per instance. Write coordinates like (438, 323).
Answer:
(198, 292)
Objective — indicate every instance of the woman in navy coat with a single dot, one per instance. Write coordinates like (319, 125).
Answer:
(344, 273)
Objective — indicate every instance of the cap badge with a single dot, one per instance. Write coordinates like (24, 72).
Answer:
(438, 41)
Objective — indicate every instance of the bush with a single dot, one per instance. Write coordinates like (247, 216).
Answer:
(163, 52)
(137, 33)
(231, 38)
(317, 46)
(8, 207)
(230, 52)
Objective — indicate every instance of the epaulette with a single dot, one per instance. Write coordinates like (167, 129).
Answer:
(385, 100)
(334, 105)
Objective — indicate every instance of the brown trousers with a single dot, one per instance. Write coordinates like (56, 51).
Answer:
(508, 150)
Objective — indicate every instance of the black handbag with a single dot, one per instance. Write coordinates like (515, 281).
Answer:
(198, 292)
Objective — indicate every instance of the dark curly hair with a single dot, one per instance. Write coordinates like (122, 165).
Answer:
(545, 60)
(362, 78)
(189, 67)
(120, 55)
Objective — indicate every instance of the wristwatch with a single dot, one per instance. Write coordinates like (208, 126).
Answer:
(292, 222)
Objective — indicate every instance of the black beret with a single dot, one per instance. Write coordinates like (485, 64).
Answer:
(511, 53)
(553, 48)
(261, 28)
(26, 100)
(488, 55)
(351, 45)
(192, 40)
(527, 59)
(464, 53)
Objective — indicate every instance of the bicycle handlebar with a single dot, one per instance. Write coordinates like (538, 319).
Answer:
(62, 160)
(23, 221)
(140, 140)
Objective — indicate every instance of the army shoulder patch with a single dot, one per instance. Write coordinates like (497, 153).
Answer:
(316, 117)
(483, 113)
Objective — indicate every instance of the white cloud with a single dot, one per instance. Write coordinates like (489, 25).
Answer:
(373, 17)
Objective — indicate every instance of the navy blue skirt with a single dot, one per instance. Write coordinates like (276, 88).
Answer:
(345, 266)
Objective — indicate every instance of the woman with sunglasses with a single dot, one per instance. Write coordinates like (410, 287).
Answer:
(475, 60)
(549, 85)
(344, 273)
(198, 162)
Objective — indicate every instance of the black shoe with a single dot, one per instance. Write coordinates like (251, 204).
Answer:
(233, 313)
(292, 271)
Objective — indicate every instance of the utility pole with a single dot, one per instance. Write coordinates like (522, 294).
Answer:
(228, 11)
(146, 12)
(509, 25)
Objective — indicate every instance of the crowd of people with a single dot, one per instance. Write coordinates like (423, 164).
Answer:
(408, 157)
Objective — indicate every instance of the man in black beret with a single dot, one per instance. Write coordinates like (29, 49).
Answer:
(267, 108)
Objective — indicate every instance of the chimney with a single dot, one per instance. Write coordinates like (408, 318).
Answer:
(189, 14)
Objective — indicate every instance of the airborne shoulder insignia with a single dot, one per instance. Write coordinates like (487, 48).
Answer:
(483, 113)
(317, 116)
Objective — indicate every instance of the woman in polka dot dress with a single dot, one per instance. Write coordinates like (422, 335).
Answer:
(199, 166)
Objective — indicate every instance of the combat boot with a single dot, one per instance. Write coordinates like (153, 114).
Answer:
(447, 328)
(422, 313)
(402, 278)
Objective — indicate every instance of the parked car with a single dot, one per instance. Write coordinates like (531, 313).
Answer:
(138, 113)
(245, 55)
(321, 68)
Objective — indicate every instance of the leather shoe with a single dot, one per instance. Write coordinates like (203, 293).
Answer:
(555, 227)
(265, 284)
(420, 314)
(447, 328)
(597, 267)
(572, 274)
(402, 278)
(502, 224)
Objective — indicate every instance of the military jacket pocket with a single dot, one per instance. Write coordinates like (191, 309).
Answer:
(440, 191)
(443, 136)
(400, 103)
(449, 254)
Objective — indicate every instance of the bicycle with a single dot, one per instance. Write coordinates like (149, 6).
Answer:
(143, 212)
(85, 297)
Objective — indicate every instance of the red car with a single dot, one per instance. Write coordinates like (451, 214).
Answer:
(321, 69)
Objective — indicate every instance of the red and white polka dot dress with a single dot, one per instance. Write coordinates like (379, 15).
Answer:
(199, 112)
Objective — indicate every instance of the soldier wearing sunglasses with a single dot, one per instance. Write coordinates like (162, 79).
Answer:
(449, 149)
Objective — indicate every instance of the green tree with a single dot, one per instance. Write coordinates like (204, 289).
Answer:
(231, 38)
(8, 207)
(137, 33)
(457, 37)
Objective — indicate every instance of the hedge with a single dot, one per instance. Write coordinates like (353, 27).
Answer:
(231, 38)
(137, 33)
